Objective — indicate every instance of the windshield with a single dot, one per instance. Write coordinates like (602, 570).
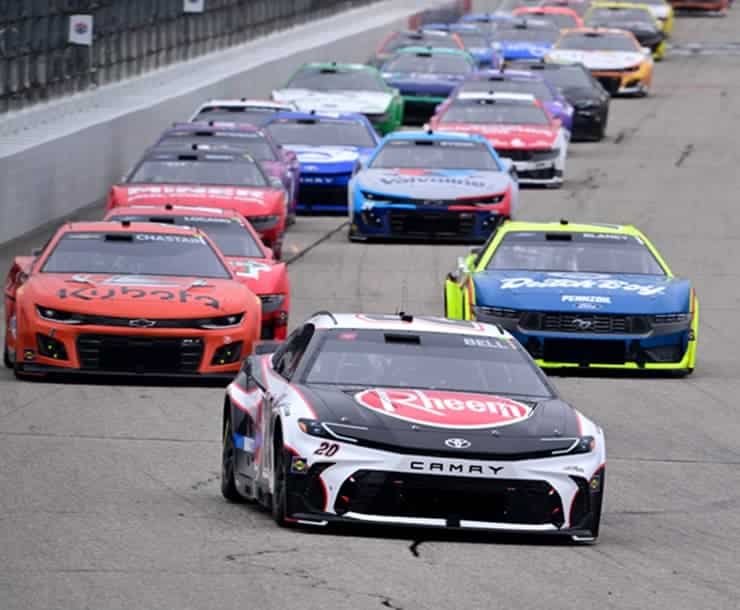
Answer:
(231, 238)
(566, 77)
(536, 35)
(230, 172)
(255, 144)
(597, 42)
(135, 254)
(537, 88)
(249, 116)
(432, 361)
(321, 133)
(442, 154)
(575, 252)
(438, 40)
(606, 17)
(497, 113)
(336, 80)
(412, 63)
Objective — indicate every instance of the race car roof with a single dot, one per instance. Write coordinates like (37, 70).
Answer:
(568, 227)
(322, 116)
(502, 75)
(212, 127)
(173, 210)
(431, 51)
(160, 154)
(453, 27)
(335, 66)
(497, 96)
(434, 136)
(117, 226)
(485, 17)
(247, 103)
(404, 322)
(544, 10)
(597, 32)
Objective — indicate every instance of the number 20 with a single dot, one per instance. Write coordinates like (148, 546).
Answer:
(327, 449)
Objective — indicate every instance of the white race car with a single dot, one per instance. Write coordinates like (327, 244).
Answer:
(243, 110)
(397, 420)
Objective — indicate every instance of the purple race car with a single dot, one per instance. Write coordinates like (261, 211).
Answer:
(518, 81)
(279, 164)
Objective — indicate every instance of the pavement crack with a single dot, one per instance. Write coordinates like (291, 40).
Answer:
(388, 603)
(301, 253)
(205, 482)
(685, 154)
(260, 553)
(414, 547)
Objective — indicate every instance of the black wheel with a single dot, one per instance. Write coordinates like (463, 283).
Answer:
(228, 466)
(280, 483)
(6, 358)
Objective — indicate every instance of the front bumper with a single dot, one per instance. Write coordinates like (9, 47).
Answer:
(323, 192)
(627, 82)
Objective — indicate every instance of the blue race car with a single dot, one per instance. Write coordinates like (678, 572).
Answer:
(580, 295)
(431, 186)
(525, 39)
(330, 148)
(476, 40)
(425, 76)
(486, 21)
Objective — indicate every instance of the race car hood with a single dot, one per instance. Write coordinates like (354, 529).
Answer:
(260, 275)
(361, 102)
(420, 421)
(328, 159)
(599, 60)
(433, 85)
(508, 136)
(134, 296)
(247, 200)
(524, 50)
(432, 184)
(626, 294)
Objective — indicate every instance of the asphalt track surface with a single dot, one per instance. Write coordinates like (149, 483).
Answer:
(109, 496)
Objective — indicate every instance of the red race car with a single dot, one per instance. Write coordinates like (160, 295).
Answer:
(517, 126)
(249, 259)
(227, 180)
(128, 298)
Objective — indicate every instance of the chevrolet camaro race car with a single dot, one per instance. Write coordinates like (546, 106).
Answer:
(128, 298)
(250, 260)
(635, 18)
(579, 295)
(424, 422)
(425, 77)
(243, 110)
(330, 148)
(518, 127)
(524, 39)
(275, 160)
(344, 89)
(431, 186)
(228, 180)
(614, 57)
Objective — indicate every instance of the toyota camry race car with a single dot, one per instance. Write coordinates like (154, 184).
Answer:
(227, 180)
(345, 89)
(252, 112)
(330, 148)
(524, 39)
(578, 295)
(614, 57)
(635, 18)
(128, 298)
(425, 77)
(396, 420)
(251, 262)
(425, 185)
(518, 127)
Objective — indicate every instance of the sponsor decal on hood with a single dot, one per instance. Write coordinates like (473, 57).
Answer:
(600, 60)
(583, 280)
(434, 184)
(444, 409)
(134, 193)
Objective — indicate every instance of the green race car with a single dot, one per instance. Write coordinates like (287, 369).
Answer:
(580, 295)
(344, 88)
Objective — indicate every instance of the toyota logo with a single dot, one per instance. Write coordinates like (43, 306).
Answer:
(582, 324)
(457, 443)
(141, 323)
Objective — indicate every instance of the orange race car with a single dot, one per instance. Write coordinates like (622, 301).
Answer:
(128, 298)
(227, 180)
(251, 261)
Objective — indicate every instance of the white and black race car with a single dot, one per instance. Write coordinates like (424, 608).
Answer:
(402, 420)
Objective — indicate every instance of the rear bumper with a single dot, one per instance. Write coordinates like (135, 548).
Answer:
(588, 124)
(44, 370)
(323, 193)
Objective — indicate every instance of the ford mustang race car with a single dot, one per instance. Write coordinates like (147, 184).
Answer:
(614, 57)
(425, 77)
(128, 298)
(406, 421)
(250, 261)
(414, 38)
(635, 18)
(518, 81)
(425, 185)
(477, 42)
(330, 148)
(518, 127)
(580, 295)
(561, 17)
(275, 160)
(346, 89)
(252, 112)
(524, 39)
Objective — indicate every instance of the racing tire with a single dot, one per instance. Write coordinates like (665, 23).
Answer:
(681, 373)
(6, 358)
(228, 467)
(280, 483)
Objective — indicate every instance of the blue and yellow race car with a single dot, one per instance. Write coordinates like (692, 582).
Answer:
(580, 295)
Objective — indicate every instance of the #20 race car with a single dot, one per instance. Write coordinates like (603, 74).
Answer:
(250, 260)
(128, 298)
(580, 295)
(396, 420)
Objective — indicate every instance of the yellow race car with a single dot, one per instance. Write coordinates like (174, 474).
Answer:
(632, 17)
(661, 10)
(579, 295)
